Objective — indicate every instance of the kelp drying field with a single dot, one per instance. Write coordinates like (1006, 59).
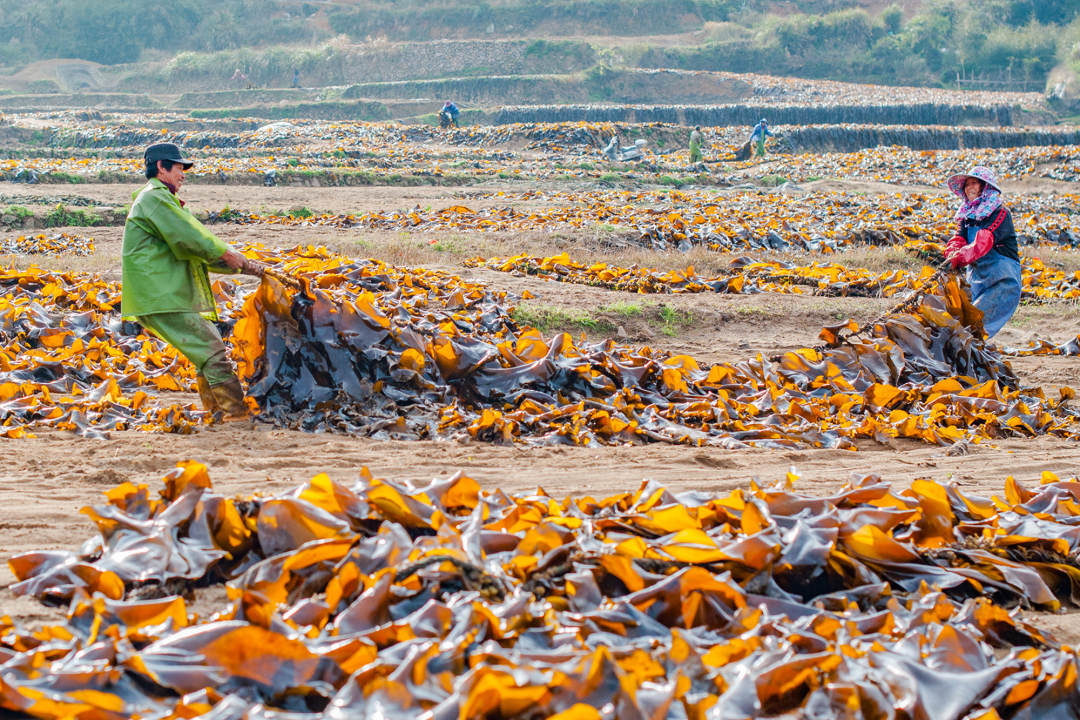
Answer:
(655, 343)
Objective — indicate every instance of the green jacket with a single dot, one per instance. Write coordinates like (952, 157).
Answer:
(166, 256)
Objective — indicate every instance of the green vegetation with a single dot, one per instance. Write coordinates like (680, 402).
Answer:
(928, 42)
(678, 182)
(59, 176)
(61, 216)
(333, 110)
(119, 31)
(15, 216)
(996, 40)
(547, 319)
(451, 245)
(625, 309)
(771, 180)
(674, 319)
(422, 20)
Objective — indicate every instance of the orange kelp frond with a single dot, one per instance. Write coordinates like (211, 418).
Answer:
(444, 600)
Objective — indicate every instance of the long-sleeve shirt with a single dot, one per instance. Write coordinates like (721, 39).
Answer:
(761, 131)
(166, 254)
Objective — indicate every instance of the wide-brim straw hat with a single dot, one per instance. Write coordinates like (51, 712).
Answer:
(979, 172)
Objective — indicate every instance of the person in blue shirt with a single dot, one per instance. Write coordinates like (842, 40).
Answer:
(985, 244)
(761, 131)
(451, 111)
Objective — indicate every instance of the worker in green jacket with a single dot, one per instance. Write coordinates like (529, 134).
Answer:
(695, 145)
(166, 289)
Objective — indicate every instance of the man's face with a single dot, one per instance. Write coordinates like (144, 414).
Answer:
(173, 176)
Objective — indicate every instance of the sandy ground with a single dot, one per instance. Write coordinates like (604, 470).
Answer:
(45, 481)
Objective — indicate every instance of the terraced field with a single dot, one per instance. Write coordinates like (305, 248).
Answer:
(844, 505)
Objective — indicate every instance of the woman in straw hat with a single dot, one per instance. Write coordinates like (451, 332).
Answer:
(985, 244)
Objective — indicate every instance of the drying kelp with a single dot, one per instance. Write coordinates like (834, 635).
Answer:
(750, 275)
(68, 362)
(745, 275)
(386, 599)
(355, 153)
(368, 349)
(735, 222)
(41, 244)
(746, 114)
(1069, 348)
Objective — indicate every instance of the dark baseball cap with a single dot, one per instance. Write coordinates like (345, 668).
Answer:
(166, 151)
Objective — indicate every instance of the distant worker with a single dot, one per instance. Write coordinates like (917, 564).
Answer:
(242, 80)
(448, 116)
(295, 77)
(695, 145)
(166, 289)
(611, 150)
(985, 244)
(761, 131)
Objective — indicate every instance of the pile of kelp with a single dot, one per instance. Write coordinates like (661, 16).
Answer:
(367, 349)
(384, 599)
(68, 362)
(42, 244)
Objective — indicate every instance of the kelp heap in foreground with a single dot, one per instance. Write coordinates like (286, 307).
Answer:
(372, 350)
(387, 600)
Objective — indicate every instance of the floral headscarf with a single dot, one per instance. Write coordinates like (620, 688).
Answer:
(989, 199)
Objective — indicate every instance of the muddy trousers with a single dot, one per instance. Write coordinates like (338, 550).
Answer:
(200, 342)
(761, 147)
(197, 339)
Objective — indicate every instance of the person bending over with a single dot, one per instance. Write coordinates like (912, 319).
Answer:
(985, 244)
(166, 289)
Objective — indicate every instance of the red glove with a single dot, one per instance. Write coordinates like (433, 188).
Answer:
(984, 240)
(955, 244)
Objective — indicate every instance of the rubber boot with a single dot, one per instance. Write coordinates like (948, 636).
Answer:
(229, 396)
(206, 395)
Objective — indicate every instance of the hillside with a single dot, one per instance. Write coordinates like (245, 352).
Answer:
(1000, 44)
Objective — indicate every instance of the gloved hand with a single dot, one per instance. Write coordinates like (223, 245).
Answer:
(984, 240)
(955, 245)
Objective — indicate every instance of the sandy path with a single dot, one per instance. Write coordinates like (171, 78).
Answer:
(45, 481)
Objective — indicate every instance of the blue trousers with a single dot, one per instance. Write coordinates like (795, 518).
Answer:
(995, 289)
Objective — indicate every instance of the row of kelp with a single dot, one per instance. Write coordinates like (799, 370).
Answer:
(747, 275)
(42, 244)
(359, 351)
(388, 599)
(370, 349)
(406, 164)
(735, 221)
(562, 150)
(848, 138)
(748, 114)
(804, 91)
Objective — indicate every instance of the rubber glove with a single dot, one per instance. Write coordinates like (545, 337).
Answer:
(955, 245)
(984, 240)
